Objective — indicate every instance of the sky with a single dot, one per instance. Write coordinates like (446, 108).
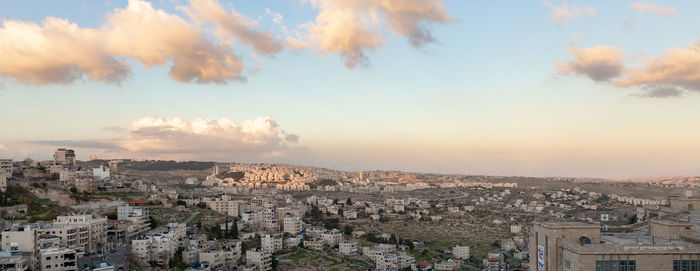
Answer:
(532, 88)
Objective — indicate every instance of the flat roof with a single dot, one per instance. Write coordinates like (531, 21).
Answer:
(568, 224)
(639, 237)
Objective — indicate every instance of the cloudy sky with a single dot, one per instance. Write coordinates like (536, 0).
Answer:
(538, 88)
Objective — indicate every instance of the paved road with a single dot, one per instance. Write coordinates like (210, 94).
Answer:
(192, 216)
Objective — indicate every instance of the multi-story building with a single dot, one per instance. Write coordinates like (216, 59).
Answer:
(314, 244)
(3, 181)
(260, 257)
(14, 261)
(461, 251)
(58, 259)
(270, 219)
(271, 242)
(64, 157)
(6, 167)
(137, 218)
(223, 204)
(660, 245)
(91, 232)
(292, 224)
(216, 258)
(67, 235)
(157, 248)
(347, 247)
(22, 238)
(332, 237)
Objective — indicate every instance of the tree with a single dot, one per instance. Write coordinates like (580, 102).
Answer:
(348, 230)
(331, 223)
(233, 234)
(348, 202)
(153, 222)
(216, 231)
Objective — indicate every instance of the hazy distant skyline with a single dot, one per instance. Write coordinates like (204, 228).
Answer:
(536, 88)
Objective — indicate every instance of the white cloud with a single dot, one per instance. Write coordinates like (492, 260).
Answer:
(156, 37)
(353, 27)
(677, 67)
(566, 12)
(260, 137)
(231, 25)
(646, 7)
(57, 51)
(600, 63)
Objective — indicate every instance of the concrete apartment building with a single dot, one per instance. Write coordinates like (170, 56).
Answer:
(137, 218)
(3, 181)
(22, 238)
(157, 248)
(92, 232)
(271, 242)
(292, 224)
(64, 157)
(260, 258)
(223, 204)
(332, 237)
(6, 167)
(13, 261)
(461, 251)
(658, 245)
(58, 259)
(348, 247)
(67, 235)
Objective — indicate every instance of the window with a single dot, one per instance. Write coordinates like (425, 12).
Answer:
(616, 266)
(686, 265)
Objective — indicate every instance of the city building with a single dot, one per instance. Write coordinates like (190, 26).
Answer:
(91, 232)
(292, 224)
(64, 157)
(461, 251)
(271, 242)
(6, 167)
(58, 259)
(347, 247)
(22, 238)
(260, 257)
(660, 245)
(14, 261)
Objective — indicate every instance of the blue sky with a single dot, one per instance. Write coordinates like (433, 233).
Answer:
(484, 98)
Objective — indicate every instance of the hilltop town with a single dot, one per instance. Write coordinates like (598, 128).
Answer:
(122, 214)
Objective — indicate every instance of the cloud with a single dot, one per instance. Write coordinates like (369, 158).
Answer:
(156, 37)
(600, 63)
(90, 144)
(353, 27)
(677, 67)
(662, 92)
(115, 129)
(58, 51)
(645, 7)
(260, 137)
(566, 12)
(231, 25)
